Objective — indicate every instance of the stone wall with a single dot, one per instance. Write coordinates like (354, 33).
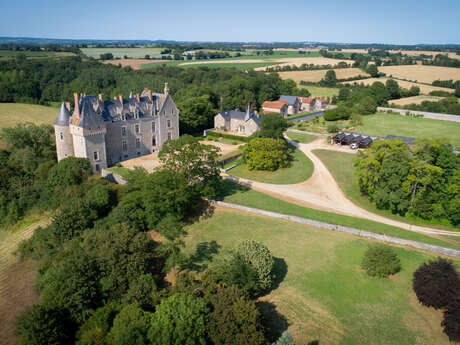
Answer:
(384, 238)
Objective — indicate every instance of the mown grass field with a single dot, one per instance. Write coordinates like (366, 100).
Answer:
(384, 124)
(301, 137)
(319, 91)
(340, 164)
(301, 169)
(240, 195)
(14, 113)
(323, 293)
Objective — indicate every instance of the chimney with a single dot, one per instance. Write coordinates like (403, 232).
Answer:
(67, 105)
(149, 94)
(77, 104)
(99, 96)
(120, 98)
(138, 97)
(166, 90)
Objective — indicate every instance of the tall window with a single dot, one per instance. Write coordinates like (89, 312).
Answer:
(136, 128)
(62, 137)
(169, 123)
(153, 127)
(169, 135)
(96, 155)
(123, 131)
(138, 143)
(124, 145)
(154, 141)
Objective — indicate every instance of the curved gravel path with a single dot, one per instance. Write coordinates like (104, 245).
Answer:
(322, 192)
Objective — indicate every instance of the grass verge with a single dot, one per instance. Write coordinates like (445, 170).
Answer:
(301, 137)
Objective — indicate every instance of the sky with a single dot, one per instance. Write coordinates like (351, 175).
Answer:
(345, 21)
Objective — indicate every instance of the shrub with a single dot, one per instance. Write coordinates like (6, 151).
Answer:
(436, 283)
(333, 128)
(266, 154)
(285, 339)
(380, 261)
(451, 322)
(130, 326)
(259, 257)
(272, 126)
(69, 171)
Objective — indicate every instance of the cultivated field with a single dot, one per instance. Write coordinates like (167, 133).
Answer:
(316, 76)
(421, 73)
(384, 124)
(424, 89)
(319, 91)
(136, 53)
(322, 294)
(309, 61)
(14, 113)
(133, 63)
(415, 100)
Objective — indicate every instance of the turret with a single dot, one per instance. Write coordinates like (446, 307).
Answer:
(64, 142)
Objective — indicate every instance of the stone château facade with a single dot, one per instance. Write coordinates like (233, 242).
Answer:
(110, 131)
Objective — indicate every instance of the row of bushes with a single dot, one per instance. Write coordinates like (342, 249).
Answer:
(227, 136)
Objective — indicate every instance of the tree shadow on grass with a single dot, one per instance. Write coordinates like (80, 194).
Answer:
(314, 342)
(274, 322)
(280, 269)
(229, 188)
(204, 252)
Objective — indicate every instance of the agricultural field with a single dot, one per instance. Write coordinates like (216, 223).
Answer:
(321, 293)
(414, 100)
(316, 76)
(133, 63)
(319, 91)
(341, 166)
(384, 124)
(421, 73)
(14, 113)
(300, 170)
(426, 52)
(309, 61)
(424, 89)
(136, 53)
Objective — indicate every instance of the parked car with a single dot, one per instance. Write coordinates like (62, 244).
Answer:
(354, 146)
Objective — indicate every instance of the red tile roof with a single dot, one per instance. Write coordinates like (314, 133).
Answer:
(275, 104)
(307, 100)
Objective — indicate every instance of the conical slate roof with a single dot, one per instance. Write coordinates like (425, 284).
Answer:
(63, 117)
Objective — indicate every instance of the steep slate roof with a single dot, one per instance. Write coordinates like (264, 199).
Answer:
(63, 117)
(291, 100)
(275, 104)
(240, 115)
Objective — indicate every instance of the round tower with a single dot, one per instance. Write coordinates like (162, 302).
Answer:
(64, 141)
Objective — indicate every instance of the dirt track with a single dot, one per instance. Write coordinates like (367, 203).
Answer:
(322, 192)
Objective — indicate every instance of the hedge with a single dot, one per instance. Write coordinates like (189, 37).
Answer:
(228, 136)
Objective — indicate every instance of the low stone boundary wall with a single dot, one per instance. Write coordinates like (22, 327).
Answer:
(111, 176)
(384, 238)
(425, 114)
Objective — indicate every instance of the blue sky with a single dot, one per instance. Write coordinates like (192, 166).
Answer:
(383, 21)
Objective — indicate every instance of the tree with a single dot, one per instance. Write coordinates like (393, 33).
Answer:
(344, 93)
(130, 326)
(179, 319)
(196, 162)
(366, 106)
(94, 331)
(39, 325)
(436, 283)
(143, 292)
(380, 261)
(70, 171)
(272, 126)
(196, 114)
(373, 70)
(106, 56)
(457, 90)
(234, 319)
(392, 88)
(266, 154)
(330, 79)
(259, 257)
(451, 322)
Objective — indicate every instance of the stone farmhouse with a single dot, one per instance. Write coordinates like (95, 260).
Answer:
(307, 103)
(110, 131)
(293, 104)
(279, 107)
(238, 122)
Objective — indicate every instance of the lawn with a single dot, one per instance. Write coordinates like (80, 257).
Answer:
(122, 171)
(340, 164)
(319, 91)
(14, 113)
(321, 289)
(300, 170)
(301, 137)
(237, 194)
(383, 124)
